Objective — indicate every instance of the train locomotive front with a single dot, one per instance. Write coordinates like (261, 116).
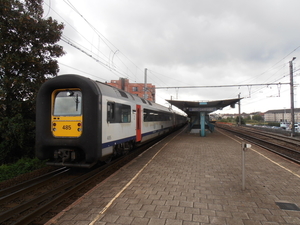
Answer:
(68, 121)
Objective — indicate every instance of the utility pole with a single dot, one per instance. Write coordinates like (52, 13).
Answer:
(240, 110)
(292, 97)
(145, 85)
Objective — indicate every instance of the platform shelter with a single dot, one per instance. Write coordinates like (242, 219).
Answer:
(198, 112)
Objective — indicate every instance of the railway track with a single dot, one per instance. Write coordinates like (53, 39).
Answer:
(38, 200)
(285, 146)
(24, 205)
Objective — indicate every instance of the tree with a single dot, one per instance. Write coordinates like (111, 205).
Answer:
(27, 51)
(242, 120)
(257, 117)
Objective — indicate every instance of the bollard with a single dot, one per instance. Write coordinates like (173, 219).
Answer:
(245, 146)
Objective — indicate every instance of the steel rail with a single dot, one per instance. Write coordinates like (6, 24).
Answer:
(270, 134)
(33, 209)
(27, 183)
(258, 142)
(31, 185)
(77, 186)
(277, 152)
(46, 196)
(46, 201)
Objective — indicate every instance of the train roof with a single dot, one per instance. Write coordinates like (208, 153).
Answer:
(118, 93)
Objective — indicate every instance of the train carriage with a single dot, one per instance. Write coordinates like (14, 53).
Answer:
(80, 121)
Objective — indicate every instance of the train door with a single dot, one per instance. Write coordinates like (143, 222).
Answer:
(138, 123)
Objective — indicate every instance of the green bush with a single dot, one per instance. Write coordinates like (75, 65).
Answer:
(274, 124)
(25, 165)
(17, 136)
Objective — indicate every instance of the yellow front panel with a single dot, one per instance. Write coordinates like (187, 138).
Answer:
(67, 126)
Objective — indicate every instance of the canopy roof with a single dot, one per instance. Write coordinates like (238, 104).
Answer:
(194, 107)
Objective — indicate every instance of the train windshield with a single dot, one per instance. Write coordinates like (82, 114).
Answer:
(68, 103)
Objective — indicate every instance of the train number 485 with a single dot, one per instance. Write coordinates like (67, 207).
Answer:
(66, 127)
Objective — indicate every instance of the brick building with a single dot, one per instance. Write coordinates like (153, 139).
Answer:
(134, 88)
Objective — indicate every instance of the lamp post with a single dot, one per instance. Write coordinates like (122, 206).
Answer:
(292, 97)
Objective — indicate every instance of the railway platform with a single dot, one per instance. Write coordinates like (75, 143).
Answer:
(190, 180)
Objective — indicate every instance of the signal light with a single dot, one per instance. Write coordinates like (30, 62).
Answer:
(79, 124)
(54, 124)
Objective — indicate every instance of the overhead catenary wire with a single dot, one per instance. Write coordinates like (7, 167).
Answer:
(107, 60)
(112, 69)
(110, 61)
(108, 43)
(274, 66)
(79, 33)
(84, 72)
(222, 86)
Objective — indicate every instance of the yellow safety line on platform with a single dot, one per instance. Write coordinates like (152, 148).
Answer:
(276, 163)
(129, 183)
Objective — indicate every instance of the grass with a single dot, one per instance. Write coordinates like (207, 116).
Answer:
(25, 165)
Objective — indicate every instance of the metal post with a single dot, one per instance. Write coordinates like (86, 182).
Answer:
(244, 148)
(145, 85)
(240, 110)
(292, 97)
(202, 124)
(243, 166)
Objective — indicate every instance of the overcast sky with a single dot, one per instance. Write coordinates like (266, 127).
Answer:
(186, 43)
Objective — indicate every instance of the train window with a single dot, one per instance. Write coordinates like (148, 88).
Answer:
(68, 103)
(110, 111)
(151, 115)
(125, 114)
(123, 94)
(118, 113)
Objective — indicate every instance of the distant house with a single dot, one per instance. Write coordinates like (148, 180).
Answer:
(282, 115)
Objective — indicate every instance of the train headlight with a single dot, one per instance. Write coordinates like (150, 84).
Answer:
(79, 129)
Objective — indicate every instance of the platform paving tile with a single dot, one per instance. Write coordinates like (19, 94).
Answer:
(193, 181)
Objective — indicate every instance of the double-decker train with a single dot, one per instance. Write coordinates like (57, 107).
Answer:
(80, 122)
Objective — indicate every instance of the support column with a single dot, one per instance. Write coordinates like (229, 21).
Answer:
(202, 123)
